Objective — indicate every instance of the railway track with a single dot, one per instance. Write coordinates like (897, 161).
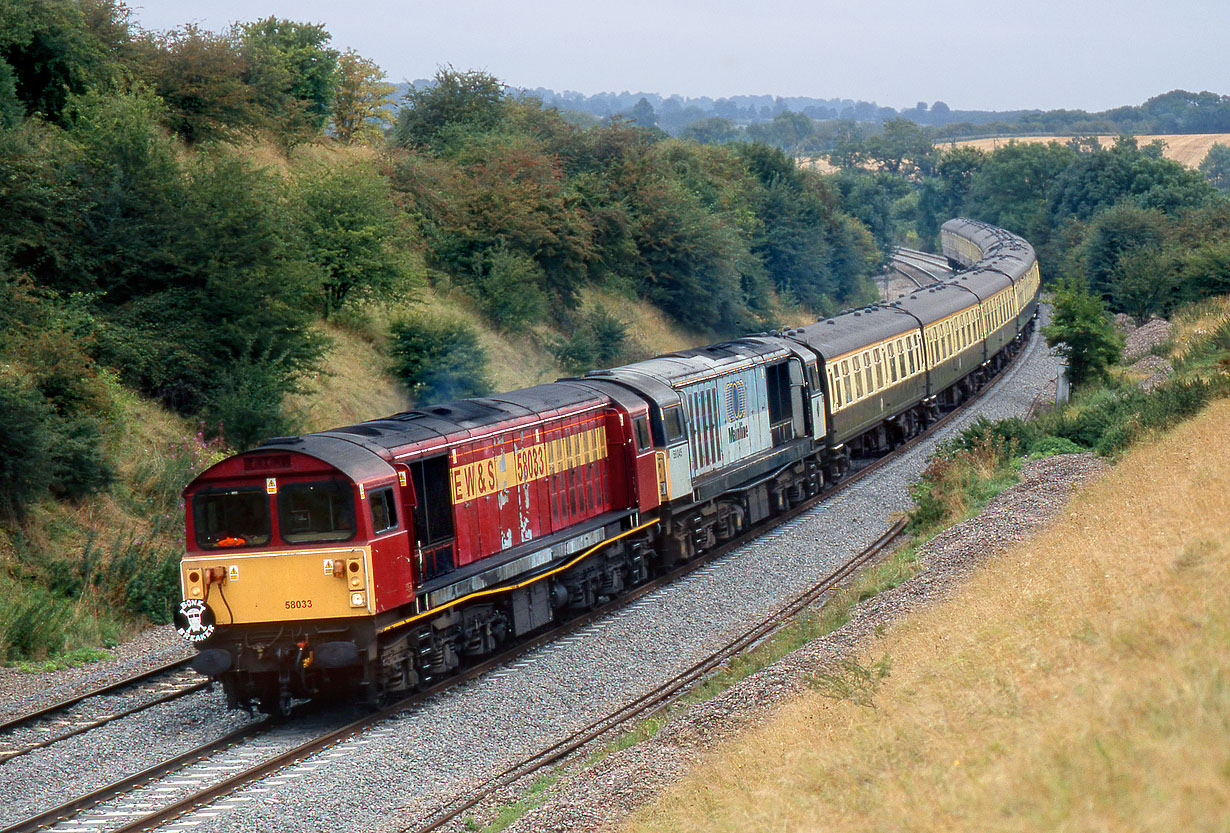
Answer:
(920, 268)
(677, 685)
(221, 767)
(658, 697)
(60, 720)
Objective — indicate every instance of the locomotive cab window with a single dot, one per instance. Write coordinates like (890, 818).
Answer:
(322, 511)
(640, 428)
(671, 424)
(384, 510)
(231, 518)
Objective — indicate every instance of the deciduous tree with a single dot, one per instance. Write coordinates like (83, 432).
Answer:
(293, 71)
(459, 103)
(1083, 333)
(361, 103)
(1216, 166)
(352, 231)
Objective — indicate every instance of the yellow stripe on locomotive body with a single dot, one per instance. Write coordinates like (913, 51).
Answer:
(508, 470)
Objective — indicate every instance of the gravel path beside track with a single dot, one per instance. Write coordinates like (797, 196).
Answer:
(389, 777)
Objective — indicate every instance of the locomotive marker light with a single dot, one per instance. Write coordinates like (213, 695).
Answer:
(356, 600)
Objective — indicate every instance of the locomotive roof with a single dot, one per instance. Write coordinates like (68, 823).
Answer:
(357, 460)
(676, 369)
(446, 422)
(841, 334)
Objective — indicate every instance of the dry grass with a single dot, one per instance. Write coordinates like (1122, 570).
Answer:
(1197, 321)
(650, 331)
(354, 386)
(1077, 683)
(1188, 148)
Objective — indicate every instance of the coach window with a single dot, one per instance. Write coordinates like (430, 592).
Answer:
(879, 354)
(384, 511)
(892, 361)
(845, 380)
(640, 429)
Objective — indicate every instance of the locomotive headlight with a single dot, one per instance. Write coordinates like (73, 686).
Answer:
(356, 600)
(356, 578)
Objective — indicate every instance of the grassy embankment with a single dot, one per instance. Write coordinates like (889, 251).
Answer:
(1076, 682)
(72, 574)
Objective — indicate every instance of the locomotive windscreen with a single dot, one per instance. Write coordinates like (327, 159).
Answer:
(231, 518)
(309, 512)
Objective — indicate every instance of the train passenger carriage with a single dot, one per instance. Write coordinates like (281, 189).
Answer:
(875, 375)
(949, 321)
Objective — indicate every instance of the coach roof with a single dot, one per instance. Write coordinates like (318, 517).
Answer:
(845, 333)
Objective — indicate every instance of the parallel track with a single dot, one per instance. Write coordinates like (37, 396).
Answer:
(660, 695)
(54, 723)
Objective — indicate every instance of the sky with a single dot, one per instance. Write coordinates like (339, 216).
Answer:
(991, 55)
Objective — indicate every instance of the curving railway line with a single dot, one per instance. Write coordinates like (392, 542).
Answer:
(258, 752)
(274, 755)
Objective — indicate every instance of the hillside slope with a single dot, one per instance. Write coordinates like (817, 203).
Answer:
(1051, 691)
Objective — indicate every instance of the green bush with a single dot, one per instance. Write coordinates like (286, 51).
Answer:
(508, 289)
(247, 406)
(152, 590)
(1083, 333)
(960, 479)
(439, 360)
(1014, 430)
(598, 340)
(34, 621)
(26, 441)
(1050, 446)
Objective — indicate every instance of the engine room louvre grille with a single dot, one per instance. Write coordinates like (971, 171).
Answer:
(265, 462)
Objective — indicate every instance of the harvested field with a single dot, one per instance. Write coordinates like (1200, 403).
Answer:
(1190, 149)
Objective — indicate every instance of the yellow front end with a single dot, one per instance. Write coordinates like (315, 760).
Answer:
(252, 588)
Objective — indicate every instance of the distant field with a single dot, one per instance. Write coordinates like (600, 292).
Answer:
(1188, 148)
